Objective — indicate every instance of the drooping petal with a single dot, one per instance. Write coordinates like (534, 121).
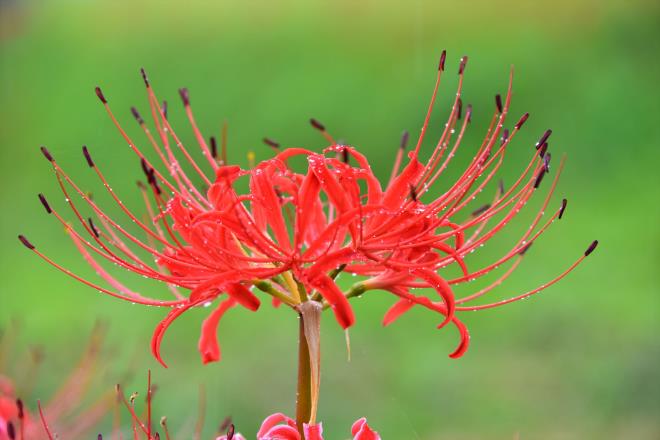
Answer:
(465, 339)
(208, 342)
(338, 302)
(162, 327)
(442, 287)
(243, 296)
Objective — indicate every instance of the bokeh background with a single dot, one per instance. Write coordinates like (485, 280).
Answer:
(579, 361)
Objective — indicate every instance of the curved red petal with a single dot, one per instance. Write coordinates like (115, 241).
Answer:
(335, 297)
(243, 296)
(208, 341)
(399, 308)
(162, 327)
(444, 290)
(465, 339)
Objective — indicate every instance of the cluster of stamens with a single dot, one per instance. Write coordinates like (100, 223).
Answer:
(294, 231)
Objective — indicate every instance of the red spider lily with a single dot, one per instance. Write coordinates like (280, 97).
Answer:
(138, 426)
(280, 427)
(275, 427)
(293, 232)
(65, 408)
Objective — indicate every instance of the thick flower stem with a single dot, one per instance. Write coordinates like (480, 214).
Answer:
(309, 363)
(304, 391)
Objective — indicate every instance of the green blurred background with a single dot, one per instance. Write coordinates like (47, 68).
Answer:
(579, 361)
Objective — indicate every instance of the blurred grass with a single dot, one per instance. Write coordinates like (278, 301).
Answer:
(579, 361)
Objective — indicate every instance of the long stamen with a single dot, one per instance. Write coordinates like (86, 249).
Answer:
(441, 68)
(589, 250)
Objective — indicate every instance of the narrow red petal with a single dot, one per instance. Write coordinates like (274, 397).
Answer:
(208, 342)
(338, 302)
(398, 309)
(162, 327)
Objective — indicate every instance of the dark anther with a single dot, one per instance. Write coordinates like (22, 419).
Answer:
(316, 124)
(539, 178)
(543, 149)
(85, 151)
(144, 76)
(498, 102)
(46, 154)
(164, 109)
(461, 68)
(546, 162)
(459, 112)
(154, 184)
(44, 202)
(99, 93)
(443, 57)
(564, 202)
(404, 140)
(481, 210)
(344, 155)
(214, 147)
(413, 193)
(11, 431)
(500, 186)
(137, 116)
(591, 248)
(505, 135)
(25, 242)
(145, 167)
(521, 121)
(543, 138)
(185, 96)
(271, 143)
(468, 113)
(92, 226)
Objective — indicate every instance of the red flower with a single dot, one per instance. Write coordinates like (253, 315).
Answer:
(280, 427)
(65, 407)
(294, 231)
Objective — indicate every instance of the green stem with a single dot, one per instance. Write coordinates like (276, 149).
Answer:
(268, 288)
